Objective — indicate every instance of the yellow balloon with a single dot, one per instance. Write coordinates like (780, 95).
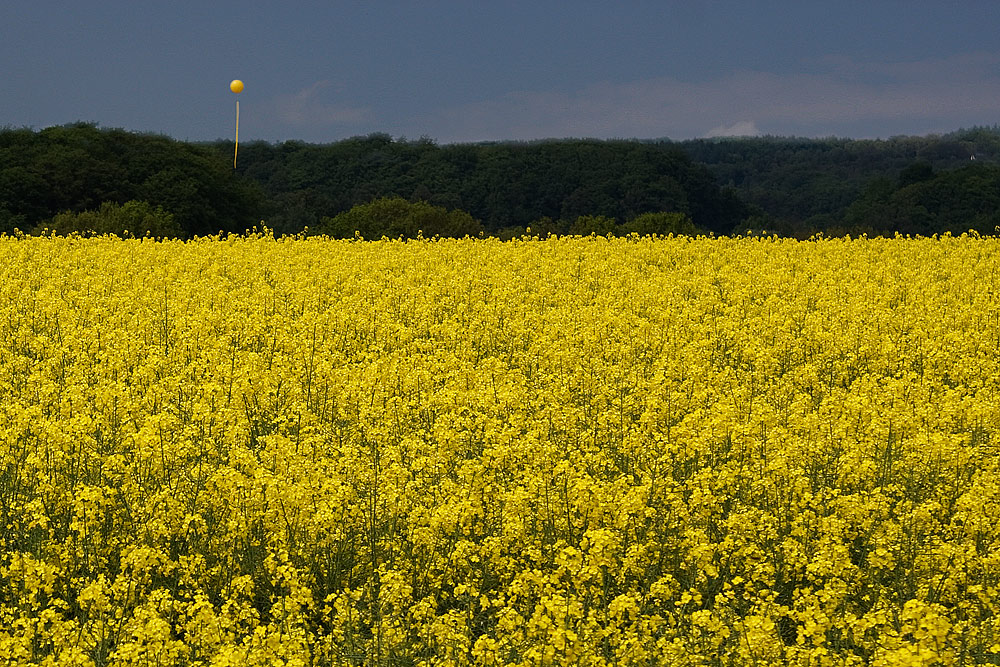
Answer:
(236, 86)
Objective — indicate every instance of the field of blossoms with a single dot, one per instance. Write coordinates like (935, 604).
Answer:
(573, 451)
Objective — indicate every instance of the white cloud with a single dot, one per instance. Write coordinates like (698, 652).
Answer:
(743, 128)
(838, 98)
(306, 108)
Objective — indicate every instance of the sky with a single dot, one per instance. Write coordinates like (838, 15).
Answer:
(502, 70)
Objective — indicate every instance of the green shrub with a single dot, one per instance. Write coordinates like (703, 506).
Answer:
(542, 227)
(137, 218)
(661, 223)
(395, 217)
(594, 224)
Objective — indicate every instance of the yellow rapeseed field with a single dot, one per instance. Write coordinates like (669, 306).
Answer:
(574, 451)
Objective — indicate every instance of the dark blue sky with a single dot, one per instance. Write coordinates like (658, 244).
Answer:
(472, 71)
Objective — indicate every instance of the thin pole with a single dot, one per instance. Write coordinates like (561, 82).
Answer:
(236, 149)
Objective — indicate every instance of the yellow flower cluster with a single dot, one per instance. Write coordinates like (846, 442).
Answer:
(572, 451)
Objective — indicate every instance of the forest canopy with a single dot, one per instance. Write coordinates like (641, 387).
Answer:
(77, 168)
(64, 177)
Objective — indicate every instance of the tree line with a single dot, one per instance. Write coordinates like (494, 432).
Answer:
(506, 186)
(911, 185)
(76, 168)
(83, 177)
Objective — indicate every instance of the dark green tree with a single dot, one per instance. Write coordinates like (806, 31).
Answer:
(917, 172)
(396, 217)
